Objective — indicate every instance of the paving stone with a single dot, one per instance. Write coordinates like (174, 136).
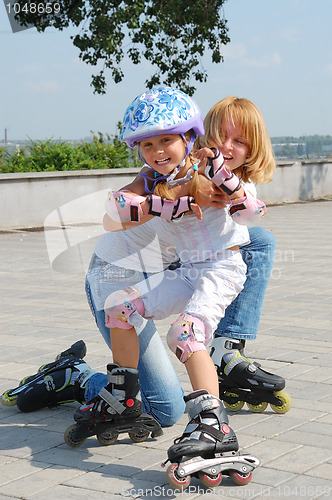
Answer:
(324, 471)
(294, 340)
(17, 469)
(66, 492)
(41, 481)
(301, 459)
(302, 486)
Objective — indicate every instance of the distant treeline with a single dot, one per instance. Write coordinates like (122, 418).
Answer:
(307, 146)
(105, 151)
(102, 152)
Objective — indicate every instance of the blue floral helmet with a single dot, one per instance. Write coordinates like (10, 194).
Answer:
(158, 111)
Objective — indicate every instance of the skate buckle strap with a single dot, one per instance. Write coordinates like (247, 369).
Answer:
(203, 403)
(238, 359)
(252, 367)
(85, 374)
(211, 431)
(191, 427)
(114, 404)
(206, 429)
(231, 344)
(117, 379)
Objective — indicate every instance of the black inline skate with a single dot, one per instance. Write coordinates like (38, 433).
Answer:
(208, 447)
(242, 381)
(61, 381)
(115, 410)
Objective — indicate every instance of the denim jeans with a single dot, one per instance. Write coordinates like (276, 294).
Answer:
(161, 392)
(242, 316)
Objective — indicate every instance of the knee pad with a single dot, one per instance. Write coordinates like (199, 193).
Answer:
(124, 309)
(186, 336)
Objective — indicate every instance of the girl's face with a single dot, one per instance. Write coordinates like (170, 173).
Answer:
(235, 147)
(164, 152)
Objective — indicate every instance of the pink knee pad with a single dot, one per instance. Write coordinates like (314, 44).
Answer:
(121, 305)
(186, 336)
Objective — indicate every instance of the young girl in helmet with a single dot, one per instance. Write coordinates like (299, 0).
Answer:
(164, 123)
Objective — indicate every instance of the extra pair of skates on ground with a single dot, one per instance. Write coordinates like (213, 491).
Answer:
(208, 447)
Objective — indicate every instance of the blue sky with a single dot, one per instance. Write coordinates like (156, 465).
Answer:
(280, 57)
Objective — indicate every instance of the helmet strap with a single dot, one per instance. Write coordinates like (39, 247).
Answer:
(189, 146)
(169, 178)
(140, 156)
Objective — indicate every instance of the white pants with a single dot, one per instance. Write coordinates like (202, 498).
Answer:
(203, 289)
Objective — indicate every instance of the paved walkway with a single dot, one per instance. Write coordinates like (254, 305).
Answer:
(44, 311)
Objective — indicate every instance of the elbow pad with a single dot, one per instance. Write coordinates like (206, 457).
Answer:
(122, 206)
(247, 210)
(169, 209)
(220, 175)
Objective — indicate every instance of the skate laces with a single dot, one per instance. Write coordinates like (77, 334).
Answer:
(98, 409)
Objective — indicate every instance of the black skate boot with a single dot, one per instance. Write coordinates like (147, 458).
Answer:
(115, 410)
(208, 447)
(242, 381)
(58, 382)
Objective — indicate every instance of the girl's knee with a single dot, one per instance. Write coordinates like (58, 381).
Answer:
(169, 413)
(168, 409)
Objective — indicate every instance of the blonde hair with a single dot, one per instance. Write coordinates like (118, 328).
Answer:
(260, 164)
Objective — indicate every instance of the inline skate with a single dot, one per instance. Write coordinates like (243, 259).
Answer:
(115, 410)
(61, 381)
(242, 381)
(208, 447)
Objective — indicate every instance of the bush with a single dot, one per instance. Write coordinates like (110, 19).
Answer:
(47, 156)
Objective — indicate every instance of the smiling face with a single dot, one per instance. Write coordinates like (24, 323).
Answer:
(164, 152)
(234, 146)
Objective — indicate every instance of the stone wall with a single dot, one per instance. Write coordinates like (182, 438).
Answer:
(61, 198)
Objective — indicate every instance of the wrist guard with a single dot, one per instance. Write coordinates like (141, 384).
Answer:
(122, 206)
(247, 210)
(220, 175)
(169, 209)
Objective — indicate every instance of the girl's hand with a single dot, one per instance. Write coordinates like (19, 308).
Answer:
(210, 195)
(204, 153)
(196, 210)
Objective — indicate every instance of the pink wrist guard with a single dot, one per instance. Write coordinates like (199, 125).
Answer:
(169, 209)
(122, 206)
(220, 175)
(247, 210)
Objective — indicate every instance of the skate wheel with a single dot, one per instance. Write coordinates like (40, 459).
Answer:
(258, 408)
(174, 480)
(139, 437)
(7, 400)
(71, 436)
(240, 479)
(107, 438)
(237, 406)
(286, 402)
(210, 481)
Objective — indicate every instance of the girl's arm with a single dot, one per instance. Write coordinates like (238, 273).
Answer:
(130, 206)
(245, 208)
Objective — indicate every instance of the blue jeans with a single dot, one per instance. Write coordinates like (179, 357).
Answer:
(243, 314)
(162, 395)
(161, 391)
